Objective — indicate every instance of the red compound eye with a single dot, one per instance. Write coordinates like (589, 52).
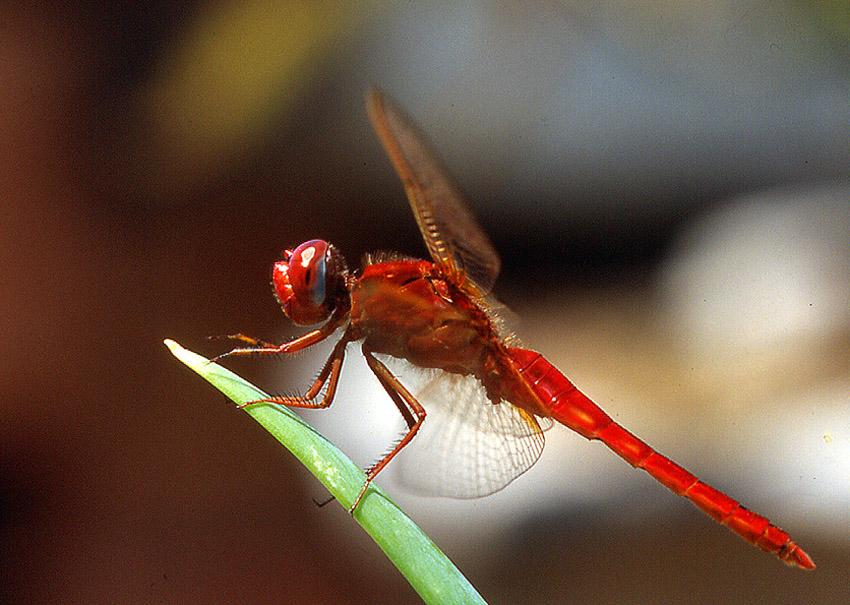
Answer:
(307, 281)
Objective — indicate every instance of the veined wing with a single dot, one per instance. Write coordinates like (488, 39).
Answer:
(468, 447)
(451, 233)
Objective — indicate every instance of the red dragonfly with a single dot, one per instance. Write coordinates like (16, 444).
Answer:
(435, 315)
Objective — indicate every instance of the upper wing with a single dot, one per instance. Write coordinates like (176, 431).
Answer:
(454, 239)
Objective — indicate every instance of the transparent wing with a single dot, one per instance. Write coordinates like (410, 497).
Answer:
(468, 447)
(453, 237)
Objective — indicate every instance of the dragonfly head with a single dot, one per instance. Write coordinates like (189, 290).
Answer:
(310, 281)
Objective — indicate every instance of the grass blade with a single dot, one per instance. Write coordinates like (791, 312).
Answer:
(429, 571)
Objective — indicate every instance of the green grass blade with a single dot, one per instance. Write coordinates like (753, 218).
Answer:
(429, 571)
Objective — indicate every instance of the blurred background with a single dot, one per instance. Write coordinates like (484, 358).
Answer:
(667, 185)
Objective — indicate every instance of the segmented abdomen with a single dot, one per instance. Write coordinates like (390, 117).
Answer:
(569, 406)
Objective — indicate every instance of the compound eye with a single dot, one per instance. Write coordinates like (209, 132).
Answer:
(310, 282)
(308, 272)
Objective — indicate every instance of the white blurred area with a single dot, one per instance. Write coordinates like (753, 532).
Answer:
(756, 300)
(763, 271)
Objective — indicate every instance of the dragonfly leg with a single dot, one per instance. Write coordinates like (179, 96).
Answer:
(299, 344)
(410, 409)
(329, 374)
(261, 347)
(254, 342)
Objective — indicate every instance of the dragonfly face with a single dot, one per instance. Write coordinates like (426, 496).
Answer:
(310, 281)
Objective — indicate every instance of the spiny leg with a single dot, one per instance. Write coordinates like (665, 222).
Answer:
(299, 344)
(329, 374)
(410, 409)
(254, 342)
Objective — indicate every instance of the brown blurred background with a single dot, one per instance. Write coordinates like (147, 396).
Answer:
(667, 185)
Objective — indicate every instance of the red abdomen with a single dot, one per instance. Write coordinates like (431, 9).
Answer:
(569, 406)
